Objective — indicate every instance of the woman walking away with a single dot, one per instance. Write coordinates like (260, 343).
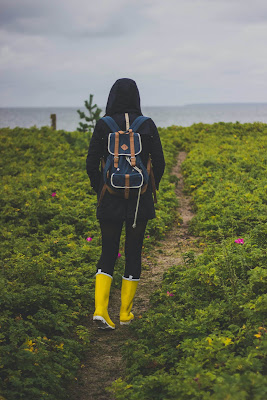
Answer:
(126, 143)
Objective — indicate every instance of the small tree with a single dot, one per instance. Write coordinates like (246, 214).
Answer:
(94, 115)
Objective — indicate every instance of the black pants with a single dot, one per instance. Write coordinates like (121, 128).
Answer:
(111, 233)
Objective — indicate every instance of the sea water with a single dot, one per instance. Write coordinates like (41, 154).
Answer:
(68, 118)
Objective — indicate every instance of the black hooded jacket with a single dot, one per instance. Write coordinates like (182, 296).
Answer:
(124, 98)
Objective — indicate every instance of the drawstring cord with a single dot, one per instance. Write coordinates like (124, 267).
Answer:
(139, 193)
(137, 206)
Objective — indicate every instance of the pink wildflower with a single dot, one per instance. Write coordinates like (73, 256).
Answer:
(53, 194)
(239, 240)
(148, 236)
(169, 294)
(119, 255)
(89, 239)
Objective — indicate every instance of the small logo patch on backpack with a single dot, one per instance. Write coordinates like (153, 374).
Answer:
(124, 147)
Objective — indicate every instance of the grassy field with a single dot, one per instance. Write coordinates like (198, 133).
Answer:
(205, 341)
(48, 261)
(205, 335)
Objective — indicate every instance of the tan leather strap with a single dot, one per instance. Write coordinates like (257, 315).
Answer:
(133, 159)
(153, 185)
(127, 186)
(112, 191)
(148, 166)
(152, 178)
(144, 188)
(103, 191)
(116, 150)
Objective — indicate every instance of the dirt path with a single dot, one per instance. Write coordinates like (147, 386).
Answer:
(104, 362)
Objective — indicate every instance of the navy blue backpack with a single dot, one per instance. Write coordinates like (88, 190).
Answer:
(124, 173)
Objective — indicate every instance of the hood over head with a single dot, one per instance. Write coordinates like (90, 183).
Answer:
(123, 97)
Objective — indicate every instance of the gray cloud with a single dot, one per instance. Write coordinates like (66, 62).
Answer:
(245, 12)
(68, 18)
(55, 52)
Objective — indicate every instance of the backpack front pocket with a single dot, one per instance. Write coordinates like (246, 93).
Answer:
(122, 181)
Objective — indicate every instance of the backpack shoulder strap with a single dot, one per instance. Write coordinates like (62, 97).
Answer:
(111, 123)
(138, 122)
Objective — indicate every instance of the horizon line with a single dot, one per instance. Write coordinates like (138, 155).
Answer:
(161, 106)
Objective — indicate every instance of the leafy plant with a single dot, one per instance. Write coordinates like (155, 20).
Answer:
(50, 244)
(205, 335)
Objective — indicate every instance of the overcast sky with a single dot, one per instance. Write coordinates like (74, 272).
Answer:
(56, 52)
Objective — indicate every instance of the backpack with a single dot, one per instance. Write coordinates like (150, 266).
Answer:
(124, 173)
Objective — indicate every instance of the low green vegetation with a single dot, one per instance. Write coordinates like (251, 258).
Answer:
(205, 334)
(50, 243)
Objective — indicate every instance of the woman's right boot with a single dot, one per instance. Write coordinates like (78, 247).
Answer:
(128, 289)
(102, 290)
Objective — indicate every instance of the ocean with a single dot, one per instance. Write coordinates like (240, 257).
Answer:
(68, 118)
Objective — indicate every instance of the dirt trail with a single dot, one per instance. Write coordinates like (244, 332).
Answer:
(104, 363)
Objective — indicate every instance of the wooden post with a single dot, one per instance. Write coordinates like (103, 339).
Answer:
(53, 121)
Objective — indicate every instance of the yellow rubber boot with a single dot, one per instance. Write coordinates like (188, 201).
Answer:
(128, 289)
(102, 290)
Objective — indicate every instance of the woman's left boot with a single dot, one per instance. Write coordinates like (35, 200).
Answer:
(102, 290)
(128, 289)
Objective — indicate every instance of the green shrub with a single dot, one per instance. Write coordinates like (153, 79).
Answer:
(204, 336)
(48, 266)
